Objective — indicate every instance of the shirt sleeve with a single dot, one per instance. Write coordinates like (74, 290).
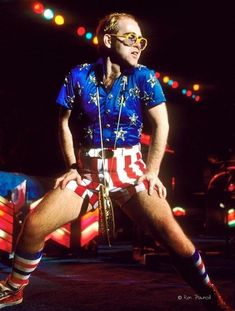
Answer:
(66, 96)
(152, 92)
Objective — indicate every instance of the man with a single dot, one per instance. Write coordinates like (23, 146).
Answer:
(106, 101)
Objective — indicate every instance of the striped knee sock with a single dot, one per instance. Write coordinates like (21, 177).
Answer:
(193, 271)
(24, 264)
(197, 261)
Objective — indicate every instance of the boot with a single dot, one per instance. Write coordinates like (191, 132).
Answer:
(214, 301)
(193, 271)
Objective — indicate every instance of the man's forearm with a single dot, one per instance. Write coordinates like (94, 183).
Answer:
(160, 130)
(66, 140)
(157, 148)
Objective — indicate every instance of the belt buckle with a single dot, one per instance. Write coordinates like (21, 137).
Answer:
(107, 153)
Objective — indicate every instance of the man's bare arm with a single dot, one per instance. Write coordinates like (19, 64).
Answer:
(67, 148)
(160, 127)
(65, 137)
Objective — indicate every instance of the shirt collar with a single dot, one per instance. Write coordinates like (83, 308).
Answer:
(99, 70)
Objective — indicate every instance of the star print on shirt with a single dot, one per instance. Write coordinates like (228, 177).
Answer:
(70, 100)
(120, 134)
(147, 98)
(140, 130)
(133, 119)
(93, 99)
(93, 79)
(138, 94)
(66, 81)
(121, 102)
(135, 92)
(153, 80)
(85, 65)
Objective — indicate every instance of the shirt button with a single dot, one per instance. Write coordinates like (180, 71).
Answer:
(107, 125)
(110, 96)
(107, 111)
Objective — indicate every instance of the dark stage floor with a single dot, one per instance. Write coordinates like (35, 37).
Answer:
(111, 280)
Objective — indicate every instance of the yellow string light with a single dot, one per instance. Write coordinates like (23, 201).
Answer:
(59, 20)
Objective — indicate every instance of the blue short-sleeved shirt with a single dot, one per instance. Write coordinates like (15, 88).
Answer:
(135, 90)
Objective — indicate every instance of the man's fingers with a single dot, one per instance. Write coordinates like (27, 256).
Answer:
(151, 188)
(78, 180)
(57, 182)
(161, 191)
(64, 182)
(164, 192)
(68, 178)
(154, 184)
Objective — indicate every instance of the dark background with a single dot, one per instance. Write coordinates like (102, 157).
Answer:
(191, 41)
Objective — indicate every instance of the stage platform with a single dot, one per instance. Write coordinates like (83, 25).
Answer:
(111, 280)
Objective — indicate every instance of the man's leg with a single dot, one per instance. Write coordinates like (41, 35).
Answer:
(154, 215)
(57, 208)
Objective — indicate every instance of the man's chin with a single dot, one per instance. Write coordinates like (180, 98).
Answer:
(130, 65)
(133, 62)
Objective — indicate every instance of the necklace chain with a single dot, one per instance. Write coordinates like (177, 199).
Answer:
(107, 221)
(124, 83)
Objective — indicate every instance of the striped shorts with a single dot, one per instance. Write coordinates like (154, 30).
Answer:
(119, 172)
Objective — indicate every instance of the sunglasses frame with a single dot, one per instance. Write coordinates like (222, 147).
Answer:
(126, 36)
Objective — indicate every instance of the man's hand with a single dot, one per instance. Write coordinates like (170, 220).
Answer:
(62, 181)
(154, 183)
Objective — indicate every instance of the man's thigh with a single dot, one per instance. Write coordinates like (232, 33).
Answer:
(145, 209)
(57, 208)
(153, 214)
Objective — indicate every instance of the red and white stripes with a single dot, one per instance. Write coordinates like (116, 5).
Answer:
(120, 173)
(24, 264)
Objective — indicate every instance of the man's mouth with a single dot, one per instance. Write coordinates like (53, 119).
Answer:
(135, 53)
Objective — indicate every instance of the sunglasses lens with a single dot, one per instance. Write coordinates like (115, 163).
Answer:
(131, 39)
(143, 43)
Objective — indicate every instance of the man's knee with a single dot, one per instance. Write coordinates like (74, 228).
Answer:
(31, 226)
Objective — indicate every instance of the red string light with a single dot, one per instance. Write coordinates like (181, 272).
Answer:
(38, 7)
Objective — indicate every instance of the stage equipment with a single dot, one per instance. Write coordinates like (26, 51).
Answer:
(220, 200)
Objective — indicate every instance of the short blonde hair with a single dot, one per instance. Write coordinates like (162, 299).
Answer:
(109, 24)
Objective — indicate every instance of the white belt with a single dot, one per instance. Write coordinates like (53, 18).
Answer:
(108, 153)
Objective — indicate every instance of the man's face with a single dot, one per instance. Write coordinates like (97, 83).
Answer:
(128, 55)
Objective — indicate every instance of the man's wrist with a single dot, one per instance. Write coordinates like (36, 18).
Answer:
(74, 166)
(152, 170)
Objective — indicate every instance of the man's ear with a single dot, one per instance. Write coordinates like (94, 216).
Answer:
(107, 40)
